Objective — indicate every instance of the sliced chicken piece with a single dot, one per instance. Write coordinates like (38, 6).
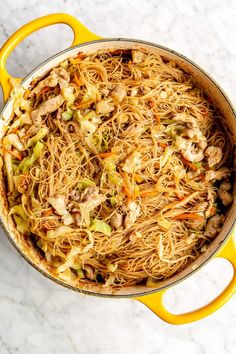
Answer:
(224, 194)
(197, 224)
(62, 73)
(91, 198)
(57, 76)
(119, 93)
(105, 107)
(213, 226)
(133, 162)
(89, 272)
(59, 204)
(133, 211)
(184, 118)
(51, 81)
(116, 220)
(191, 149)
(218, 175)
(138, 56)
(47, 107)
(67, 219)
(192, 153)
(214, 155)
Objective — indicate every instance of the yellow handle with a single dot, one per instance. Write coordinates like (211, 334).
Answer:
(81, 35)
(156, 304)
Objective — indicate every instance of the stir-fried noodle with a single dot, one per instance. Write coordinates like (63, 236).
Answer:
(116, 166)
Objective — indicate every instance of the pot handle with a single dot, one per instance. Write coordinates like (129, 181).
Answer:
(81, 35)
(156, 304)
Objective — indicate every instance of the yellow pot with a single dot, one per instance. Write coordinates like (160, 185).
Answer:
(86, 41)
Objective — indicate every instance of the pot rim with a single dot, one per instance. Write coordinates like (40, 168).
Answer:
(152, 290)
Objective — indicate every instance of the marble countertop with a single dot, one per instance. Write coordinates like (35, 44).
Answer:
(40, 317)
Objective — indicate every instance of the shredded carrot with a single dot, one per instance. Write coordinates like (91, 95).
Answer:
(77, 80)
(213, 211)
(26, 94)
(125, 177)
(190, 164)
(148, 193)
(105, 154)
(180, 203)
(137, 178)
(188, 216)
(180, 197)
(136, 192)
(17, 154)
(163, 145)
(84, 104)
(127, 191)
(44, 90)
(157, 117)
(127, 186)
(14, 153)
(202, 177)
(47, 212)
(155, 110)
(34, 82)
(13, 131)
(81, 55)
(204, 111)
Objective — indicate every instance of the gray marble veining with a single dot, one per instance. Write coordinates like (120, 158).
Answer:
(39, 317)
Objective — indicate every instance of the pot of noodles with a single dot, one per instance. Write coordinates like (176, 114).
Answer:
(117, 163)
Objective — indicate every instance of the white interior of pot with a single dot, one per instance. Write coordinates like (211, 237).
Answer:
(202, 80)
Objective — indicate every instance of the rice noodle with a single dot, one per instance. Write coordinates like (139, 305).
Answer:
(100, 161)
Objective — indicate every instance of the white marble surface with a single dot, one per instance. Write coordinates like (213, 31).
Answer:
(37, 316)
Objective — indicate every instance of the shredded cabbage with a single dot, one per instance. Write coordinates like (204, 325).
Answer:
(29, 160)
(67, 93)
(85, 183)
(12, 140)
(59, 231)
(152, 282)
(91, 93)
(21, 225)
(166, 155)
(58, 204)
(67, 115)
(101, 226)
(18, 210)
(87, 127)
(39, 136)
(115, 179)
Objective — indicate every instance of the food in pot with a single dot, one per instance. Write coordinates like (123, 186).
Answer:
(117, 168)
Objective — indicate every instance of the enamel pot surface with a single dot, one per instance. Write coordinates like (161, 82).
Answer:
(85, 41)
